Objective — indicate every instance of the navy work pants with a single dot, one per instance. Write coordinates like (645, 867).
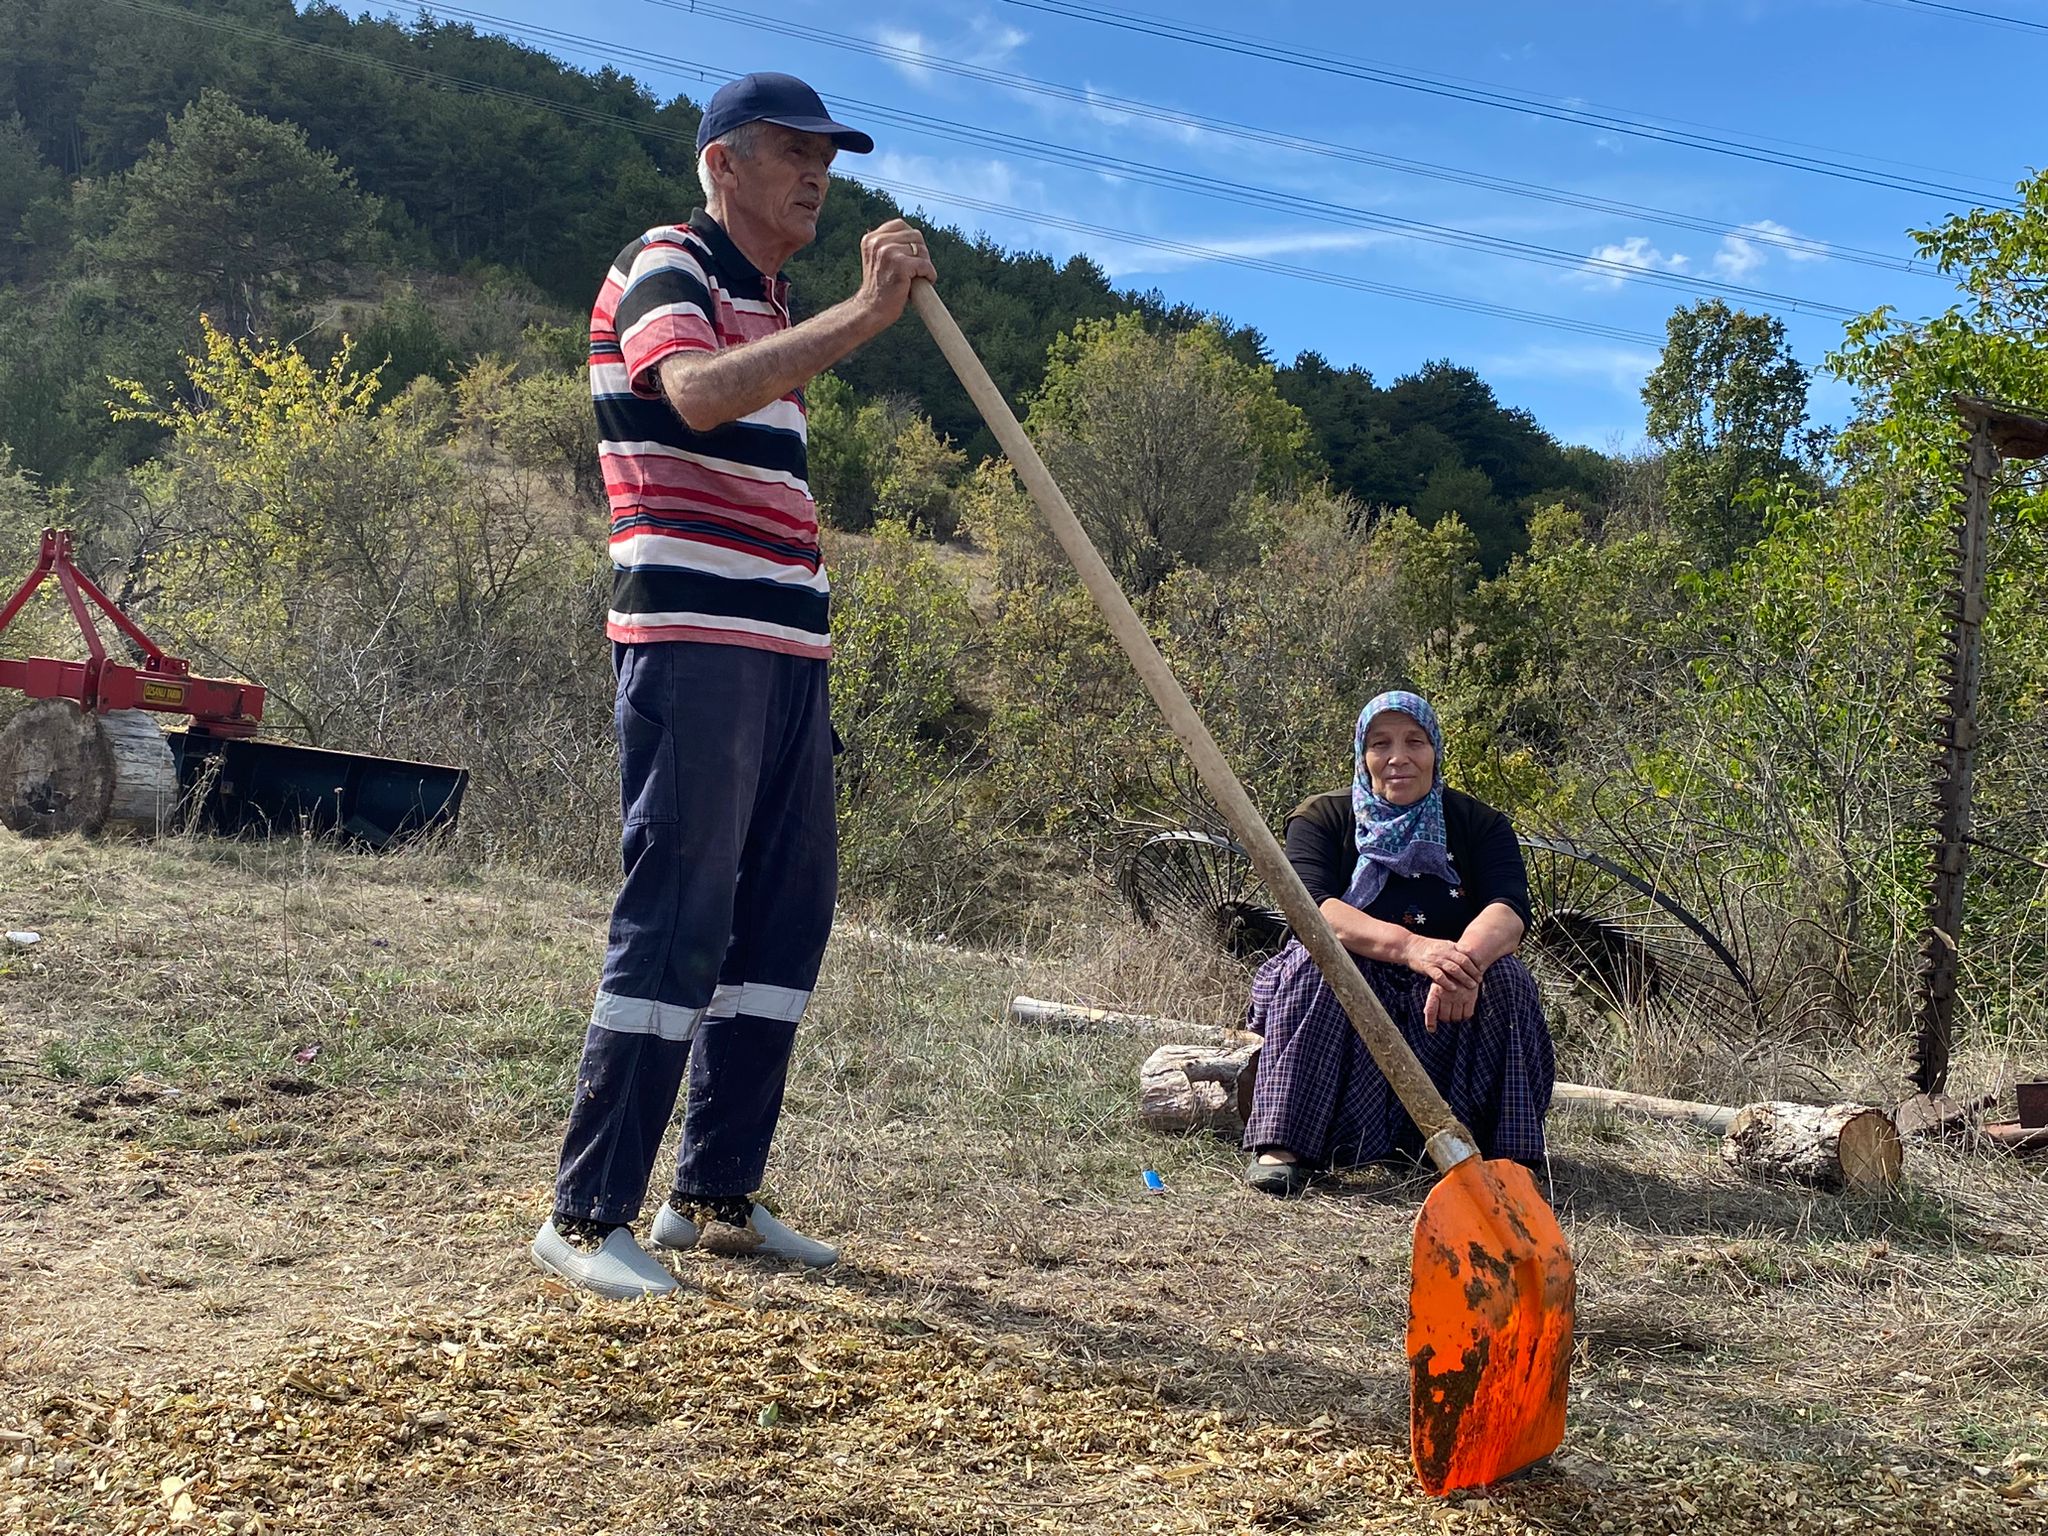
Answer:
(731, 869)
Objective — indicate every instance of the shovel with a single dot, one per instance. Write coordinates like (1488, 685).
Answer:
(1491, 1289)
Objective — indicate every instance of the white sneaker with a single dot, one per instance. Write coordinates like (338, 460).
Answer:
(763, 1236)
(620, 1268)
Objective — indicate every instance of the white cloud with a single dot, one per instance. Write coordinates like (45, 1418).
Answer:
(989, 43)
(1737, 258)
(1635, 252)
(995, 41)
(1622, 368)
(983, 180)
(1748, 248)
(1119, 259)
(1792, 246)
(995, 181)
(911, 52)
(1178, 129)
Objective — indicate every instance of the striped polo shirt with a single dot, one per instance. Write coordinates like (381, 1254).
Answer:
(714, 534)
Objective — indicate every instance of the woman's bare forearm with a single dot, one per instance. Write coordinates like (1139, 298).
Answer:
(1366, 936)
(1493, 933)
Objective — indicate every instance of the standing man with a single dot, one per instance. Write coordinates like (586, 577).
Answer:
(720, 642)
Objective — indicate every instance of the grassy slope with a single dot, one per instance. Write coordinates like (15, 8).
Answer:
(240, 1290)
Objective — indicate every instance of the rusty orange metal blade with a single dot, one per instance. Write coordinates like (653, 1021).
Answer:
(1489, 1327)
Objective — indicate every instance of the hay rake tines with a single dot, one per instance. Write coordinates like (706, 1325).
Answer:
(1619, 940)
(1201, 884)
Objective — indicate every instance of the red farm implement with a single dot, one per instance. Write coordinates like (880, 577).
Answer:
(89, 752)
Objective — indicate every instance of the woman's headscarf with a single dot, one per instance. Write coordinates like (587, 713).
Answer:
(1397, 839)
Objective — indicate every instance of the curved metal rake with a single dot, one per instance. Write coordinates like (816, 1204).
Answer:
(1201, 884)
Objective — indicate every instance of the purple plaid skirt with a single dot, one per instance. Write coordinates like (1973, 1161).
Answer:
(1318, 1094)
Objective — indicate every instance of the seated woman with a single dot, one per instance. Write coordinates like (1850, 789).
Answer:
(1426, 887)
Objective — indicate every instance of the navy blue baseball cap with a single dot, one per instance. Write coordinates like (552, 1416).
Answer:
(773, 98)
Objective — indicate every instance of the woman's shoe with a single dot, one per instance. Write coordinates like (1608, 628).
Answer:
(1283, 1181)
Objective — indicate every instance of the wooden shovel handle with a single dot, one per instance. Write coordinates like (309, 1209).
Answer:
(1449, 1142)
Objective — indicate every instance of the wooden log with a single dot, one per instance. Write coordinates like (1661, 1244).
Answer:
(145, 796)
(63, 769)
(1075, 1019)
(1831, 1146)
(1198, 1088)
(1708, 1117)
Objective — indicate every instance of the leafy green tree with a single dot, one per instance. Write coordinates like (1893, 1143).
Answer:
(849, 447)
(233, 215)
(1460, 490)
(901, 629)
(1160, 440)
(404, 339)
(917, 487)
(33, 205)
(1726, 402)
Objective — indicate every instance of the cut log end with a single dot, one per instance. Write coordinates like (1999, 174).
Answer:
(1831, 1146)
(63, 769)
(1198, 1088)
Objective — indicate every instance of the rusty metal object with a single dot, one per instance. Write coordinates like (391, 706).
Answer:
(2033, 1099)
(1941, 1116)
(1997, 432)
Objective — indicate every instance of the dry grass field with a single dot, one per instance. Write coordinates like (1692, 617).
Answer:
(276, 1125)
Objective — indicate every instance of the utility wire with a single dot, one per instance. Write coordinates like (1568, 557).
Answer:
(1967, 13)
(1025, 215)
(1579, 103)
(1260, 263)
(1486, 96)
(1236, 193)
(1093, 100)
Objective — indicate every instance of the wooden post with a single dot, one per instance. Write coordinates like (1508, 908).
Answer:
(1079, 1019)
(1708, 1117)
(1955, 770)
(1997, 432)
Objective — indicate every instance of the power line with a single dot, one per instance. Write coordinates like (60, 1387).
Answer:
(1967, 13)
(1100, 101)
(655, 130)
(1214, 188)
(1263, 264)
(1486, 96)
(1579, 103)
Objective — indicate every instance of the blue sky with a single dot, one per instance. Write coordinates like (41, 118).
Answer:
(1889, 89)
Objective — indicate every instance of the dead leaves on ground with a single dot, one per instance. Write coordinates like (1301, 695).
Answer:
(836, 1411)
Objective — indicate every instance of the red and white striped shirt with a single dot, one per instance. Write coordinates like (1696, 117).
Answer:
(714, 534)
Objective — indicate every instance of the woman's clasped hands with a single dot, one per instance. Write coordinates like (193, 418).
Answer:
(1454, 978)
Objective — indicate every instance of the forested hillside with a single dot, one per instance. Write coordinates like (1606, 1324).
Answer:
(493, 177)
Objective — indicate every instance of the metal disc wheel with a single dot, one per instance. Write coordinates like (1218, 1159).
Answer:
(1202, 885)
(1630, 948)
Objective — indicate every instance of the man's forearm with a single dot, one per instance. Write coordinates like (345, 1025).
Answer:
(709, 389)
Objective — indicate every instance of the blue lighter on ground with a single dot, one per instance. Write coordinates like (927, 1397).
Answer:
(1153, 1183)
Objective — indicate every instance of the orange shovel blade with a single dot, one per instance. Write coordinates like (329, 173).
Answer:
(1489, 1327)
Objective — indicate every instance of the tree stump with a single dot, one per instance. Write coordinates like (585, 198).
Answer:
(1199, 1087)
(1833, 1146)
(64, 769)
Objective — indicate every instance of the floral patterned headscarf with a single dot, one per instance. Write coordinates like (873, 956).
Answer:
(1397, 839)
